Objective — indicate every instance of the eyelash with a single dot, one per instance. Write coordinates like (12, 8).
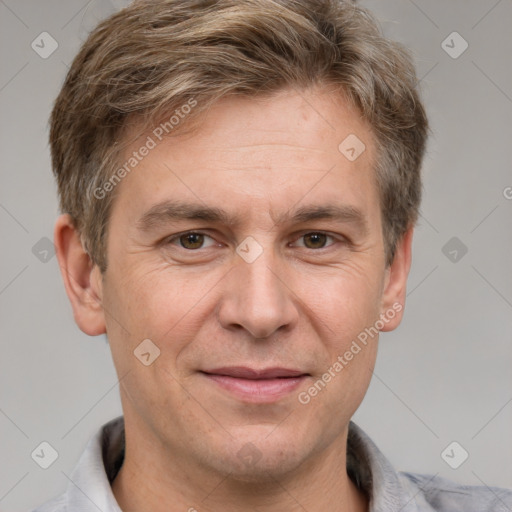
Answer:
(173, 238)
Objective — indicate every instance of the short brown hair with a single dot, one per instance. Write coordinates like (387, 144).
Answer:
(156, 55)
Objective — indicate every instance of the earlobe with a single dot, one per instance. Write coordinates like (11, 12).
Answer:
(393, 298)
(81, 278)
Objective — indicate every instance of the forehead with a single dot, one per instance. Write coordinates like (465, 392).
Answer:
(276, 150)
(317, 118)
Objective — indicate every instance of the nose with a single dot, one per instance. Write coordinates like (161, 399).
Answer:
(258, 298)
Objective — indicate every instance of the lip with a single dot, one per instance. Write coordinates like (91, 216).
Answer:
(256, 386)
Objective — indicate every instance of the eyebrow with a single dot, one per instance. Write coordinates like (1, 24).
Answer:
(168, 211)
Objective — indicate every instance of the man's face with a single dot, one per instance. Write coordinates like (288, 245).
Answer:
(261, 289)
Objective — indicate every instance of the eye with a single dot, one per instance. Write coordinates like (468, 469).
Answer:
(194, 240)
(315, 240)
(191, 240)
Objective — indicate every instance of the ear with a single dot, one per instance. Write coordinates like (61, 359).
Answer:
(82, 279)
(394, 293)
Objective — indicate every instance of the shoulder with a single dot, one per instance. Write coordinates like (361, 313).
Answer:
(443, 495)
(55, 505)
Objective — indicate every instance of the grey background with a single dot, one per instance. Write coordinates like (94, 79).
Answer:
(444, 375)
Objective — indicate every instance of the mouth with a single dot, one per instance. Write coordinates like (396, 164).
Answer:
(256, 386)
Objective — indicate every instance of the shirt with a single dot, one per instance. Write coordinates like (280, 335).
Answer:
(387, 489)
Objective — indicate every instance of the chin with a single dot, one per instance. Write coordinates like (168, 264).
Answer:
(269, 469)
(249, 460)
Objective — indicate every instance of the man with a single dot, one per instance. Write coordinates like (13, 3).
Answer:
(239, 181)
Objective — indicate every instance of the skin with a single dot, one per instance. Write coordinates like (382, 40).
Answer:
(299, 305)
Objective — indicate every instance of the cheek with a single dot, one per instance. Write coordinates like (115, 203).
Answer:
(345, 299)
(150, 305)
(345, 317)
(146, 299)
(159, 304)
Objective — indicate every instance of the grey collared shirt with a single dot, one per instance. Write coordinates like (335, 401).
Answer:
(388, 490)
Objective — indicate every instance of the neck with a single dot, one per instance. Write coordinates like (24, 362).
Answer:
(152, 478)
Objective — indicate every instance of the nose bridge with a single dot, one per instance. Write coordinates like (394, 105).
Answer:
(258, 299)
(261, 277)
